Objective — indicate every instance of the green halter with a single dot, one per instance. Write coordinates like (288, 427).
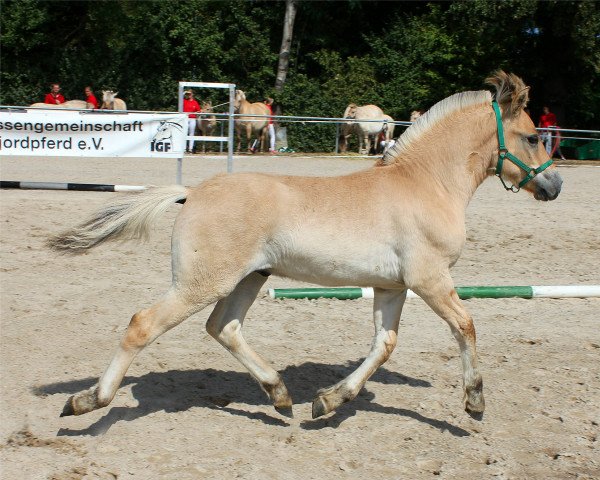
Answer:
(503, 153)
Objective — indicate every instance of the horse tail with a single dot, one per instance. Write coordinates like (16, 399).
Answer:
(128, 218)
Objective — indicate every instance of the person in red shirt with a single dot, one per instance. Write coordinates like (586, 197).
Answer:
(547, 119)
(269, 103)
(54, 97)
(90, 97)
(190, 104)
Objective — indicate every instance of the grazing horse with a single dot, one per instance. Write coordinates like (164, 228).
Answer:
(397, 225)
(364, 130)
(206, 124)
(255, 127)
(111, 102)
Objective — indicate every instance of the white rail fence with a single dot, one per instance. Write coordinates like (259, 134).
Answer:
(226, 121)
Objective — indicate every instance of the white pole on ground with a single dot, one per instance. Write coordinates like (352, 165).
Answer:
(527, 291)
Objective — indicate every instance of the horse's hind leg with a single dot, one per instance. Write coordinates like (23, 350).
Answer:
(444, 301)
(263, 139)
(387, 308)
(225, 325)
(144, 328)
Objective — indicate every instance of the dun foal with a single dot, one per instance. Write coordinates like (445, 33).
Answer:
(235, 230)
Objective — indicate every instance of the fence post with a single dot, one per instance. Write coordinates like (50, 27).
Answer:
(221, 142)
(230, 133)
(178, 177)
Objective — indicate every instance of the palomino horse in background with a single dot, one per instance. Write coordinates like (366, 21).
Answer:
(255, 127)
(206, 124)
(111, 102)
(364, 130)
(81, 104)
(397, 225)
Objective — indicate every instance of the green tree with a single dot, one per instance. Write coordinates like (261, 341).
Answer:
(398, 55)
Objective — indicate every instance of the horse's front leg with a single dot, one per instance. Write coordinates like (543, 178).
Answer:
(366, 144)
(342, 143)
(249, 137)
(387, 307)
(238, 133)
(443, 300)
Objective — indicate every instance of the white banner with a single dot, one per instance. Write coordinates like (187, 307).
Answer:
(92, 134)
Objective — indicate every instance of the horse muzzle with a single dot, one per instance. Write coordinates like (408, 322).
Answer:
(547, 185)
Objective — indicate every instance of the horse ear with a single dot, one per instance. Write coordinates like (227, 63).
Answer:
(115, 94)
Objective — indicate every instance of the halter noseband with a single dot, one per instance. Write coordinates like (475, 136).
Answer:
(503, 153)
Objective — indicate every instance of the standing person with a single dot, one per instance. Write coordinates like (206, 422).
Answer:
(190, 104)
(54, 97)
(547, 119)
(90, 97)
(269, 103)
(557, 149)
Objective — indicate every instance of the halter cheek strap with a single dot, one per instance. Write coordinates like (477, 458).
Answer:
(503, 154)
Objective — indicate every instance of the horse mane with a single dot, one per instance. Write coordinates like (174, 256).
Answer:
(511, 92)
(434, 115)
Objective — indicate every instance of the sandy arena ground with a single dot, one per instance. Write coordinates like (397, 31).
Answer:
(188, 410)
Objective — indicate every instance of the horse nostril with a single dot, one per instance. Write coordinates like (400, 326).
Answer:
(541, 194)
(548, 186)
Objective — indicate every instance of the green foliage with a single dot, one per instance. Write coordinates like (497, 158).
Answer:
(302, 96)
(401, 56)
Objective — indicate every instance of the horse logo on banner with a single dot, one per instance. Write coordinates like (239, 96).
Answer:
(162, 141)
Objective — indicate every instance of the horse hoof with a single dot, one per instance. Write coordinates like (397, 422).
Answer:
(475, 409)
(475, 415)
(68, 408)
(285, 411)
(319, 408)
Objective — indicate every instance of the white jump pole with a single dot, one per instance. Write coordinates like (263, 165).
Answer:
(84, 187)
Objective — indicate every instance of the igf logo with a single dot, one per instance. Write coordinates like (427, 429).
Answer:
(160, 146)
(162, 140)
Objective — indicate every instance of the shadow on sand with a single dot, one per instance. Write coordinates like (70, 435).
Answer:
(181, 390)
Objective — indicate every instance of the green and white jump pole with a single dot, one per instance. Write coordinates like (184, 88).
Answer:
(552, 291)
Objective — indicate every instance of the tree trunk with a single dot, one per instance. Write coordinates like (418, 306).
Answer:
(291, 7)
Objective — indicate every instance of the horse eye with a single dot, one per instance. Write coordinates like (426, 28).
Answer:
(533, 140)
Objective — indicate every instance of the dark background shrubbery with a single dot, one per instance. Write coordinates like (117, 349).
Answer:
(400, 55)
